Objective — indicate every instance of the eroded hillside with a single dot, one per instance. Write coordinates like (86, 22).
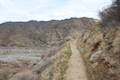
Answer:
(100, 48)
(41, 34)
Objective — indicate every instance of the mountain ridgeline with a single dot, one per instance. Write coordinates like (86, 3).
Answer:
(41, 33)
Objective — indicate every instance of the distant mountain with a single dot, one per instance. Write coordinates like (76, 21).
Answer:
(41, 33)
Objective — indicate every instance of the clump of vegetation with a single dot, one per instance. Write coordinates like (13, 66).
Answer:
(111, 15)
(61, 64)
(57, 70)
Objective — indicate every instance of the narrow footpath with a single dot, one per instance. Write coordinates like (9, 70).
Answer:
(76, 69)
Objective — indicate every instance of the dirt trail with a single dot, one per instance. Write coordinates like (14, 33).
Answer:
(76, 70)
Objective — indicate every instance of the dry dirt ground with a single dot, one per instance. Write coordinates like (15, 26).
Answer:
(77, 69)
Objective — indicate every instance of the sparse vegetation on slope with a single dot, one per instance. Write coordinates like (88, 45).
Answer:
(100, 51)
(58, 69)
(61, 63)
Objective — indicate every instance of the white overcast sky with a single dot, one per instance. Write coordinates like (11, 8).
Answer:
(24, 10)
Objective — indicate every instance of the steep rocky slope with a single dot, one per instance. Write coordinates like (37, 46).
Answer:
(100, 47)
